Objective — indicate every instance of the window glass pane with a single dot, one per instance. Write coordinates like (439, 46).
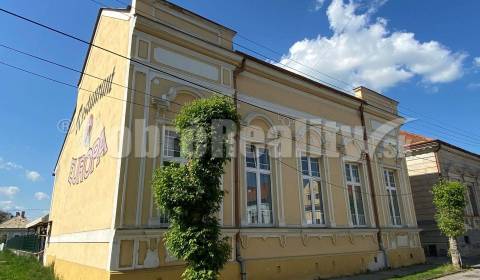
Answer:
(250, 156)
(390, 203)
(355, 173)
(305, 166)
(397, 220)
(264, 159)
(392, 179)
(318, 202)
(347, 172)
(176, 147)
(266, 216)
(314, 167)
(385, 176)
(163, 216)
(172, 144)
(307, 201)
(473, 202)
(351, 200)
(252, 211)
(361, 212)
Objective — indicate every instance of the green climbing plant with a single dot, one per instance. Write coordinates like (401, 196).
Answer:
(449, 201)
(191, 192)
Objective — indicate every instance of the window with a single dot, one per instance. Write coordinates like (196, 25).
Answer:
(312, 188)
(171, 146)
(355, 199)
(473, 201)
(259, 190)
(171, 154)
(389, 176)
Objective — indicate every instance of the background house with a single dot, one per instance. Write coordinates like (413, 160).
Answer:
(429, 160)
(16, 226)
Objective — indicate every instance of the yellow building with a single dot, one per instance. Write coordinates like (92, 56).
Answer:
(302, 197)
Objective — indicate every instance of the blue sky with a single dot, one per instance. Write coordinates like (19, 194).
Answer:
(421, 53)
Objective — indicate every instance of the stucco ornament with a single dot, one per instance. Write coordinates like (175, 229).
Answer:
(283, 241)
(305, 239)
(151, 260)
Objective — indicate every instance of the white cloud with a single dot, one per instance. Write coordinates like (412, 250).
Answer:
(476, 61)
(9, 191)
(32, 175)
(364, 52)
(8, 165)
(6, 205)
(41, 196)
(318, 5)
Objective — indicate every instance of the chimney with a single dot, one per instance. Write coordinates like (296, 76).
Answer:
(23, 214)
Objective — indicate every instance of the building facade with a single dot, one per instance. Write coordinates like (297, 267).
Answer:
(429, 160)
(304, 197)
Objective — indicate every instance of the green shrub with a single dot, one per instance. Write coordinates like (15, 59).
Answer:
(191, 193)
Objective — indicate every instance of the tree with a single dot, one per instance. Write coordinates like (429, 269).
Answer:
(4, 216)
(449, 200)
(191, 193)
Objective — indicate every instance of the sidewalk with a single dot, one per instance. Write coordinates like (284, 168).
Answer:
(391, 273)
(473, 262)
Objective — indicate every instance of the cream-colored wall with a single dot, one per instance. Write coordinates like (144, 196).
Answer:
(94, 255)
(181, 20)
(89, 205)
(97, 191)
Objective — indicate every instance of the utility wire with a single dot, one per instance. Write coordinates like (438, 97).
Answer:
(278, 53)
(277, 159)
(78, 39)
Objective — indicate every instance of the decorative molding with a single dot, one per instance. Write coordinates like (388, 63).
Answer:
(305, 239)
(94, 236)
(244, 241)
(283, 241)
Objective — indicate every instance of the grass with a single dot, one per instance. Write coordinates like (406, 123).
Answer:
(14, 267)
(431, 273)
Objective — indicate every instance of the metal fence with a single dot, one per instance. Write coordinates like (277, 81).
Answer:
(29, 243)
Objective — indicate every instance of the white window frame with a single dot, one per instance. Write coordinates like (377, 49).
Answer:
(164, 158)
(258, 171)
(396, 219)
(355, 185)
(322, 190)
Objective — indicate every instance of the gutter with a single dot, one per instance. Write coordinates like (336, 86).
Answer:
(372, 186)
(238, 255)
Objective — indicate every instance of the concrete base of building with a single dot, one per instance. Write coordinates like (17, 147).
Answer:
(310, 267)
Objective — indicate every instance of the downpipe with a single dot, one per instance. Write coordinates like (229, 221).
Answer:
(238, 255)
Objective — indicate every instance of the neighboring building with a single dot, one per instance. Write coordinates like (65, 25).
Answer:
(429, 160)
(16, 226)
(39, 228)
(301, 201)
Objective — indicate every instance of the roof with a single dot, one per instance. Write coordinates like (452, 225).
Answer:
(298, 76)
(16, 222)
(412, 138)
(41, 220)
(419, 140)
